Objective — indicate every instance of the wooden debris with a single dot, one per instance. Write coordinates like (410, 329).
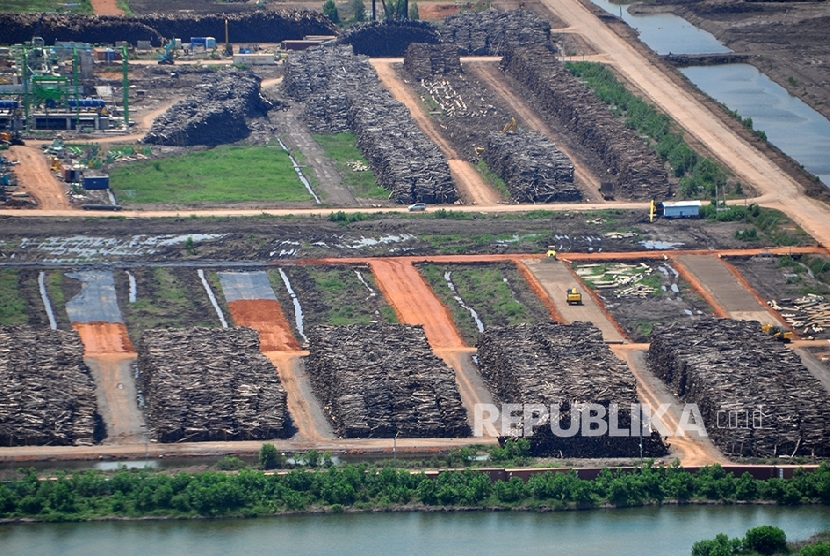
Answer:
(204, 384)
(491, 33)
(756, 397)
(808, 315)
(381, 380)
(423, 61)
(48, 396)
(387, 38)
(620, 155)
(564, 366)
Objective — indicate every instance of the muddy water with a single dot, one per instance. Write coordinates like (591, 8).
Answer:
(790, 124)
(668, 530)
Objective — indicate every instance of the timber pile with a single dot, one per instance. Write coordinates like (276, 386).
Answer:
(48, 396)
(809, 315)
(387, 38)
(626, 161)
(260, 26)
(214, 114)
(533, 169)
(562, 366)
(339, 90)
(755, 396)
(423, 61)
(492, 33)
(204, 384)
(381, 380)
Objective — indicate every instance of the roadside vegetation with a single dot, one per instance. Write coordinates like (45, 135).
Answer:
(497, 293)
(770, 226)
(12, 305)
(346, 299)
(763, 540)
(699, 176)
(40, 6)
(347, 158)
(251, 492)
(492, 179)
(221, 174)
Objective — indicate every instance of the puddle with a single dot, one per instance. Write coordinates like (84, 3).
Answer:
(656, 244)
(370, 241)
(451, 286)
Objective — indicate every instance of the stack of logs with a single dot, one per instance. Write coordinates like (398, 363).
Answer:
(633, 169)
(755, 395)
(48, 396)
(382, 381)
(423, 61)
(533, 169)
(388, 38)
(340, 88)
(491, 33)
(563, 366)
(204, 384)
(212, 115)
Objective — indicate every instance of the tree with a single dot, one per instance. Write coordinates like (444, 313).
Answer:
(766, 539)
(330, 11)
(269, 457)
(359, 10)
(413, 11)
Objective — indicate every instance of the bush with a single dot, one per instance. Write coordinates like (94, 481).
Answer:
(766, 539)
(269, 457)
(330, 11)
(820, 549)
(721, 545)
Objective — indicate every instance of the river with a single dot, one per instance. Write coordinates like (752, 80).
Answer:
(669, 530)
(789, 123)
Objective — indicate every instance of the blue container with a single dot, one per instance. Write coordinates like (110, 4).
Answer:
(9, 104)
(4, 179)
(87, 103)
(96, 182)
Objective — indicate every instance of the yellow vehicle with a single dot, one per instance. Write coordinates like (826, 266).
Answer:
(510, 126)
(778, 333)
(574, 297)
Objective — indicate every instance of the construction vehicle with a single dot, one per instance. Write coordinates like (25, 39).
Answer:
(166, 59)
(574, 297)
(10, 138)
(778, 333)
(510, 126)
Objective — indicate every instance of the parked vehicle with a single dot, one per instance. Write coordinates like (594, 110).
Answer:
(417, 206)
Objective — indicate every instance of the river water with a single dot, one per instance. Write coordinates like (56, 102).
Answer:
(668, 530)
(790, 124)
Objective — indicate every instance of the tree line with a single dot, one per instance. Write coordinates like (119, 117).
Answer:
(254, 492)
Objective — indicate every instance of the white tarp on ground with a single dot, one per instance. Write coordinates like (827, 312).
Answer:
(246, 286)
(96, 302)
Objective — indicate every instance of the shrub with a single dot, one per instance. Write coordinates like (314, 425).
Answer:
(766, 539)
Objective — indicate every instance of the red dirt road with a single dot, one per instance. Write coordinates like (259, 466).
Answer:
(104, 338)
(106, 7)
(34, 175)
(266, 317)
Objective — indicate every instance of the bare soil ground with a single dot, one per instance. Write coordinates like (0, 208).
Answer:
(115, 391)
(266, 317)
(106, 7)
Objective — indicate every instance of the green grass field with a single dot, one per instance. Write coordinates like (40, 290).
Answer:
(12, 305)
(222, 174)
(68, 6)
(341, 149)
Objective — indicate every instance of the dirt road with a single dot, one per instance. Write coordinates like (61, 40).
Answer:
(266, 317)
(711, 275)
(469, 182)
(305, 410)
(106, 7)
(34, 175)
(691, 450)
(556, 278)
(103, 337)
(115, 393)
(779, 190)
(471, 386)
(490, 75)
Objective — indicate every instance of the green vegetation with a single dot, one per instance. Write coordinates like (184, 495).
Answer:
(39, 6)
(746, 122)
(124, 5)
(769, 225)
(330, 11)
(135, 493)
(222, 174)
(358, 10)
(819, 267)
(763, 540)
(483, 287)
(12, 306)
(341, 149)
(457, 244)
(492, 179)
(699, 176)
(55, 289)
(345, 297)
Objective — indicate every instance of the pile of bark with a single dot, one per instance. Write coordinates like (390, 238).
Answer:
(261, 26)
(214, 114)
(48, 396)
(620, 155)
(755, 395)
(204, 384)
(388, 38)
(492, 33)
(423, 61)
(382, 381)
(563, 366)
(342, 92)
(532, 168)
